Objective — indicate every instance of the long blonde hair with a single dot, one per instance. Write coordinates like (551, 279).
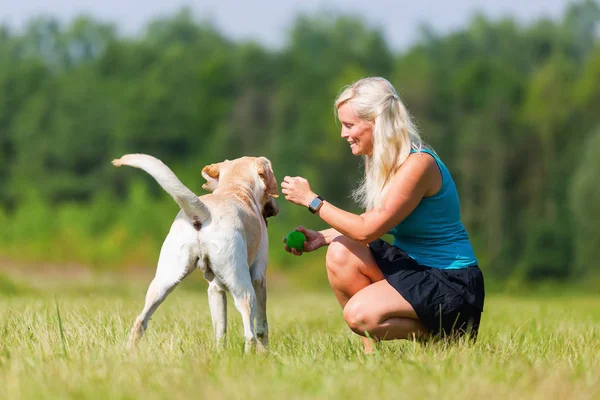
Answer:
(394, 135)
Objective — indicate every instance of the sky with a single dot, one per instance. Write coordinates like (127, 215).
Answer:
(267, 20)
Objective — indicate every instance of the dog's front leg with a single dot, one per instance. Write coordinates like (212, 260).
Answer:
(217, 301)
(258, 273)
(262, 327)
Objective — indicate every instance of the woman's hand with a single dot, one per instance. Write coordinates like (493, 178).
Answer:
(297, 190)
(314, 241)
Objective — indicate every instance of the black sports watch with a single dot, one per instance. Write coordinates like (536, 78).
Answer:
(315, 204)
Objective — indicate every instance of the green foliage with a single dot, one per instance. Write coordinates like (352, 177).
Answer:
(507, 106)
(585, 207)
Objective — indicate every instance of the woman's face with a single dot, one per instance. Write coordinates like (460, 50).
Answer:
(358, 132)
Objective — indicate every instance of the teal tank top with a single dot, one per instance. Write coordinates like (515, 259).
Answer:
(433, 233)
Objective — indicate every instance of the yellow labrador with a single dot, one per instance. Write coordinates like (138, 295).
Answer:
(224, 234)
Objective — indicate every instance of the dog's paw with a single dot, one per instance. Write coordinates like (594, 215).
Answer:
(263, 342)
(250, 345)
(262, 348)
(137, 331)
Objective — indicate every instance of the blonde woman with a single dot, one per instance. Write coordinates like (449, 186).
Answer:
(428, 282)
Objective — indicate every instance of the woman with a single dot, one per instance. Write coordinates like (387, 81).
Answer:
(428, 282)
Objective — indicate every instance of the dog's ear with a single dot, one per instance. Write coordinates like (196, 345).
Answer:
(211, 174)
(265, 172)
(271, 208)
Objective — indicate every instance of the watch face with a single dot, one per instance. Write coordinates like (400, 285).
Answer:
(315, 203)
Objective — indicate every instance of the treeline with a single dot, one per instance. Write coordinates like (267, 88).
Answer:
(513, 110)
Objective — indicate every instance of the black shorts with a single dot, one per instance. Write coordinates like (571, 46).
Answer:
(449, 302)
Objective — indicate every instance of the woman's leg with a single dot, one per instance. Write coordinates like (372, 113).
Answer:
(382, 312)
(351, 270)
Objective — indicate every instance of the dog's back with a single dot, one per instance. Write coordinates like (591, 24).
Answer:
(230, 218)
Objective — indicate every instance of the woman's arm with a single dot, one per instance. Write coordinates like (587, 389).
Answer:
(419, 176)
(329, 235)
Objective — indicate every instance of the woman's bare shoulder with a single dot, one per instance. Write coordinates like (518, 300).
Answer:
(421, 167)
(419, 162)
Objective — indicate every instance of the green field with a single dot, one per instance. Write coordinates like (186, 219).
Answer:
(545, 347)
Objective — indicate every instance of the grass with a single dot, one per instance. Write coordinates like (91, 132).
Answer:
(61, 340)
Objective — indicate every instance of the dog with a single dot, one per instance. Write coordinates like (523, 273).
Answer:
(224, 234)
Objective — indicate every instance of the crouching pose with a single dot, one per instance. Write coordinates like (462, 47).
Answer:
(427, 283)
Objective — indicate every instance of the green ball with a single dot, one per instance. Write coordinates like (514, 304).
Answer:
(295, 240)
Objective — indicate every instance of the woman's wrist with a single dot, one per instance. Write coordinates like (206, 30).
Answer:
(309, 197)
(328, 235)
(322, 240)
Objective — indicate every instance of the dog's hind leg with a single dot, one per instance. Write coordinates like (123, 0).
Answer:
(237, 280)
(245, 301)
(230, 266)
(217, 301)
(174, 265)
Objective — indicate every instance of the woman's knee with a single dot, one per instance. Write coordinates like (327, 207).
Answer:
(358, 318)
(337, 257)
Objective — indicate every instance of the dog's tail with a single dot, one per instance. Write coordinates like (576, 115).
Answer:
(191, 205)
